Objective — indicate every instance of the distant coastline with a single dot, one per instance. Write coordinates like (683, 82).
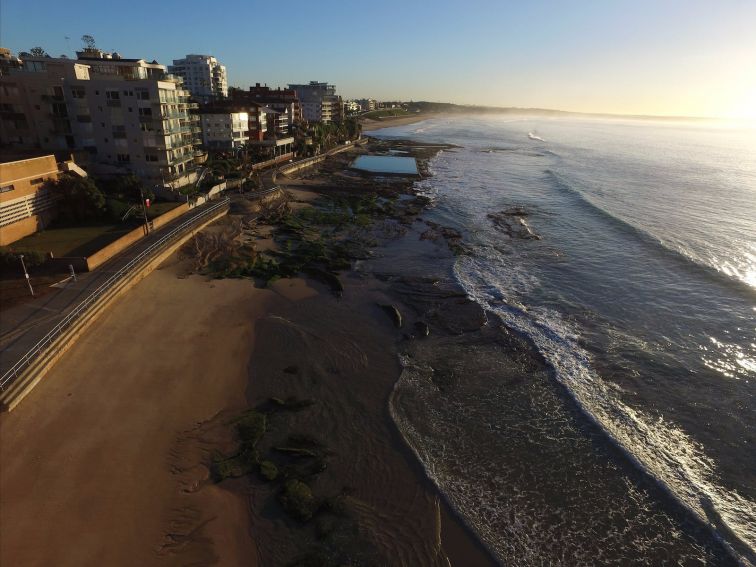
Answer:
(426, 107)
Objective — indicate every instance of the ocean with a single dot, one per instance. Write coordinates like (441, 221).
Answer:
(624, 251)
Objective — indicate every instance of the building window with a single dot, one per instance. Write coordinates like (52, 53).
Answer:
(37, 181)
(149, 157)
(112, 95)
(6, 188)
(123, 158)
(145, 112)
(142, 94)
(78, 92)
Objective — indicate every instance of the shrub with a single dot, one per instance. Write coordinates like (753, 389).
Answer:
(9, 259)
(297, 500)
(268, 470)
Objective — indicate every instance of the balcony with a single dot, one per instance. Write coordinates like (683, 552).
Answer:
(176, 160)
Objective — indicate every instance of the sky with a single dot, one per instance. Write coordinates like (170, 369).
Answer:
(647, 57)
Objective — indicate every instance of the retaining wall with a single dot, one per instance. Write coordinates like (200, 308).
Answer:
(91, 262)
(32, 375)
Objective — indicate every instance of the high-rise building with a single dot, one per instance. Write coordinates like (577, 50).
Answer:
(203, 75)
(319, 101)
(125, 115)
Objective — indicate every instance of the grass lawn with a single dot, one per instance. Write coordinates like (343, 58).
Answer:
(375, 114)
(75, 240)
(87, 239)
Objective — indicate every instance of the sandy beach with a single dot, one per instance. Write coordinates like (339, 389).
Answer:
(368, 125)
(108, 461)
(94, 459)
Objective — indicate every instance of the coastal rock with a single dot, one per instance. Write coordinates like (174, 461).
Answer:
(512, 222)
(422, 329)
(394, 313)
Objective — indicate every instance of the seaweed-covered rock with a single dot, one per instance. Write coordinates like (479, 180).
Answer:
(268, 470)
(297, 500)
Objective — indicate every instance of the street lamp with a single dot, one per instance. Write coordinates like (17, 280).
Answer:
(26, 274)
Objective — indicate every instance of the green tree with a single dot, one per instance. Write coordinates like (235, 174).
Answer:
(130, 188)
(89, 42)
(79, 198)
(38, 52)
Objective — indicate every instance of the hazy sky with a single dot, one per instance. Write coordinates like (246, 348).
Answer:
(666, 57)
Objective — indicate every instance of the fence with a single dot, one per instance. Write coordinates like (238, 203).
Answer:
(41, 347)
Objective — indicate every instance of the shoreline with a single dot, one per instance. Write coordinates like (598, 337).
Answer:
(146, 373)
(370, 125)
(306, 372)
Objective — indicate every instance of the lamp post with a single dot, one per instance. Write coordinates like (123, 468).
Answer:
(26, 274)
(144, 209)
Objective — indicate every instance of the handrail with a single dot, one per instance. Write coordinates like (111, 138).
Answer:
(39, 348)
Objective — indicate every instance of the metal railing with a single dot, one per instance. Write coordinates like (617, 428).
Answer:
(41, 347)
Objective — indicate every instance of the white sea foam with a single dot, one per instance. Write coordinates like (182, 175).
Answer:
(660, 448)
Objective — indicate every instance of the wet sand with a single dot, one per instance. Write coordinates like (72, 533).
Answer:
(341, 354)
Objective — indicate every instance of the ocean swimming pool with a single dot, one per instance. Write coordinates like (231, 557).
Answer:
(387, 164)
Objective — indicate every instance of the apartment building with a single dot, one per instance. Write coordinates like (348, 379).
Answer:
(124, 115)
(266, 127)
(367, 104)
(26, 203)
(203, 75)
(319, 101)
(284, 101)
(225, 129)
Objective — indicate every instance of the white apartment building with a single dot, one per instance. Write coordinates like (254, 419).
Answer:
(130, 116)
(319, 101)
(203, 75)
(225, 130)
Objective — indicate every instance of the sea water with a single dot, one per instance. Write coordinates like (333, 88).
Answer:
(387, 164)
(625, 251)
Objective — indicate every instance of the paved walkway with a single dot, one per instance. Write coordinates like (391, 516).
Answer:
(22, 326)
